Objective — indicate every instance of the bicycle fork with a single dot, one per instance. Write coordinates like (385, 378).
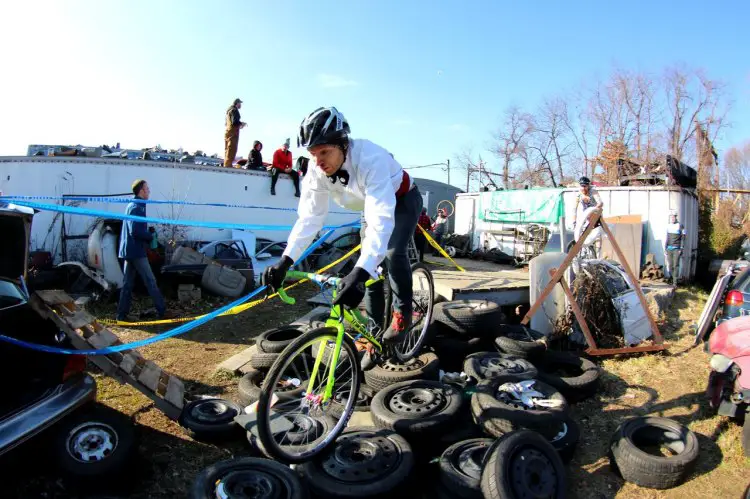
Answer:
(332, 364)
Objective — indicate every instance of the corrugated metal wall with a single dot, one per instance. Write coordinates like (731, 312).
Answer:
(652, 203)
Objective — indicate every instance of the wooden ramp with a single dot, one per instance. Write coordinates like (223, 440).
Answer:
(166, 390)
(502, 284)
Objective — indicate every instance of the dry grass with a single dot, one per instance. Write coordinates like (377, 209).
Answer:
(670, 384)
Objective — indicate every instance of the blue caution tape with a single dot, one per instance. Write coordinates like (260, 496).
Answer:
(163, 336)
(136, 344)
(74, 210)
(131, 199)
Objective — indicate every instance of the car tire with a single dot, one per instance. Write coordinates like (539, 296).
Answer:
(468, 317)
(308, 432)
(487, 365)
(521, 341)
(523, 464)
(210, 420)
(263, 361)
(95, 446)
(276, 340)
(461, 467)
(417, 408)
(336, 474)
(364, 399)
(646, 469)
(498, 417)
(423, 366)
(246, 472)
(566, 440)
(576, 387)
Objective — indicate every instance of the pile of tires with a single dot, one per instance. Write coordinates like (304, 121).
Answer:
(463, 327)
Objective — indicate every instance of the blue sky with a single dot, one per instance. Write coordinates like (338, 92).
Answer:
(423, 79)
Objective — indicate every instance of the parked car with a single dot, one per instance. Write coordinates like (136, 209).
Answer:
(48, 392)
(736, 300)
(729, 380)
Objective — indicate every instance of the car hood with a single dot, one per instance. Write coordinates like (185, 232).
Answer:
(15, 231)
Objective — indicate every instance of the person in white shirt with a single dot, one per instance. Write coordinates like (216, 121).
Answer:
(359, 175)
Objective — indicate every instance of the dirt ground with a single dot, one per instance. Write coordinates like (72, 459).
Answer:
(670, 384)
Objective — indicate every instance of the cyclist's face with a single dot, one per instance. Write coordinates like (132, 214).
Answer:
(585, 189)
(328, 158)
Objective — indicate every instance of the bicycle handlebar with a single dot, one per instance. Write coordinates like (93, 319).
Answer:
(320, 278)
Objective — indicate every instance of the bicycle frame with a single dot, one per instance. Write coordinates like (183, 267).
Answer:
(336, 320)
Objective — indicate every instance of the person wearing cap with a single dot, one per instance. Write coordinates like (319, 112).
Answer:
(134, 239)
(439, 228)
(232, 132)
(282, 163)
(673, 246)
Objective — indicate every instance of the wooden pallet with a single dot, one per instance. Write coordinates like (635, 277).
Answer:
(85, 332)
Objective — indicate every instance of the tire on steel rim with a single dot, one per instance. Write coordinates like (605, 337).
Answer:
(424, 299)
(299, 347)
(223, 478)
(523, 464)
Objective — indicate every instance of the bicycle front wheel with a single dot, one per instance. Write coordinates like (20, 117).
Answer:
(296, 428)
(423, 301)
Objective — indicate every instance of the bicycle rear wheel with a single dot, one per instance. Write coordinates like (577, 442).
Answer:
(295, 429)
(423, 301)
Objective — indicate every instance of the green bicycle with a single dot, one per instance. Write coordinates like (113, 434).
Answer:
(311, 390)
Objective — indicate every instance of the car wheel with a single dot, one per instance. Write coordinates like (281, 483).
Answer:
(499, 412)
(575, 377)
(521, 341)
(210, 419)
(95, 446)
(276, 340)
(523, 464)
(362, 462)
(423, 366)
(461, 467)
(248, 477)
(486, 365)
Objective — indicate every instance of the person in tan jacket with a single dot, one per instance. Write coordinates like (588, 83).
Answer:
(232, 132)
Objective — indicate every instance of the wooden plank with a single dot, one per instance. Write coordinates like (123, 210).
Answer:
(150, 375)
(624, 219)
(102, 339)
(593, 217)
(615, 351)
(175, 392)
(636, 284)
(235, 362)
(79, 319)
(163, 380)
(128, 362)
(54, 296)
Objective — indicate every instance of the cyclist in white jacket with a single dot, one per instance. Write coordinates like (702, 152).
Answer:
(359, 175)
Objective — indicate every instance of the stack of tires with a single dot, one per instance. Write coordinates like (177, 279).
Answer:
(463, 327)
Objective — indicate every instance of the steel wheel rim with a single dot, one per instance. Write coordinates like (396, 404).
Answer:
(532, 474)
(357, 457)
(91, 442)
(250, 483)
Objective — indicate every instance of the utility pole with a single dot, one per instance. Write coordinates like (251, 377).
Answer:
(448, 165)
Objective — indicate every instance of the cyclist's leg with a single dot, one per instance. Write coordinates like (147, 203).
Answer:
(374, 294)
(408, 208)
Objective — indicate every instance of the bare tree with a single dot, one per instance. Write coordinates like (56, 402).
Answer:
(510, 139)
(735, 173)
(691, 98)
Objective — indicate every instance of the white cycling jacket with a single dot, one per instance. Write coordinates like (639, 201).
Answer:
(374, 178)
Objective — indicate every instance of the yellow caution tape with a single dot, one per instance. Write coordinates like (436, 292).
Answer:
(437, 247)
(233, 311)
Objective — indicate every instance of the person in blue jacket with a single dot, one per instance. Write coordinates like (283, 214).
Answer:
(134, 239)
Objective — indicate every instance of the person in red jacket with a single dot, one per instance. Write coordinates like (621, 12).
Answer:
(282, 163)
(425, 222)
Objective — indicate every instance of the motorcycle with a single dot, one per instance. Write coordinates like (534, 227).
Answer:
(729, 381)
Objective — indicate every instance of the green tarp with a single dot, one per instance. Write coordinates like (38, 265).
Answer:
(541, 206)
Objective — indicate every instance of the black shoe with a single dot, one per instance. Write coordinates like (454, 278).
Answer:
(296, 194)
(273, 191)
